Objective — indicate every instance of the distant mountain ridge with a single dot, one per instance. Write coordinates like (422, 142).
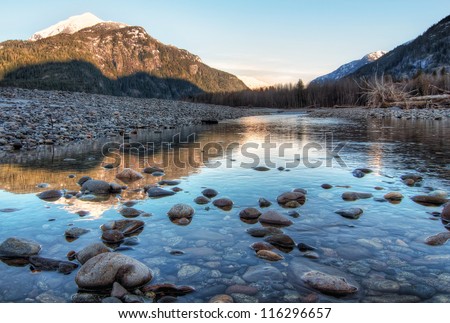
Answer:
(349, 68)
(428, 53)
(85, 53)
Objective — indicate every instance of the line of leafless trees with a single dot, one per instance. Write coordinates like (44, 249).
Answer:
(376, 91)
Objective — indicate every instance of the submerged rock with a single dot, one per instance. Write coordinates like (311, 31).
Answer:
(201, 200)
(18, 247)
(303, 247)
(438, 239)
(269, 255)
(179, 211)
(352, 213)
(291, 196)
(412, 176)
(250, 213)
(280, 240)
(101, 271)
(96, 187)
(210, 193)
(112, 236)
(261, 168)
(264, 203)
(129, 175)
(328, 284)
(262, 232)
(445, 214)
(64, 267)
(75, 233)
(91, 251)
(353, 196)
(153, 169)
(127, 227)
(393, 196)
(129, 212)
(223, 203)
(159, 192)
(429, 200)
(83, 180)
(326, 186)
(169, 182)
(257, 246)
(50, 195)
(274, 218)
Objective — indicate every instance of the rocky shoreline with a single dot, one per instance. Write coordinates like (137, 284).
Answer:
(31, 118)
(380, 113)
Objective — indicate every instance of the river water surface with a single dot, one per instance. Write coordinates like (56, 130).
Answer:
(382, 253)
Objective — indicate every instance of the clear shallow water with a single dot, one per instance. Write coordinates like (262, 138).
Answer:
(383, 252)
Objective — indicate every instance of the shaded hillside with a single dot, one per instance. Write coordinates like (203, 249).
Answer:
(428, 53)
(140, 65)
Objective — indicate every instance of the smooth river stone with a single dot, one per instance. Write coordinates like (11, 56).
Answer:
(96, 187)
(201, 200)
(291, 196)
(210, 193)
(101, 271)
(328, 284)
(352, 213)
(353, 196)
(129, 175)
(438, 239)
(51, 195)
(223, 203)
(179, 211)
(127, 227)
(159, 192)
(429, 200)
(269, 255)
(280, 240)
(18, 247)
(274, 218)
(91, 251)
(250, 213)
(130, 212)
(393, 196)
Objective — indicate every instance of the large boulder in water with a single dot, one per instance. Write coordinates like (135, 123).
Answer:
(96, 187)
(18, 247)
(101, 271)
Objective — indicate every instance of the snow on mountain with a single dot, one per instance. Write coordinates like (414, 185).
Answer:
(69, 26)
(252, 82)
(349, 68)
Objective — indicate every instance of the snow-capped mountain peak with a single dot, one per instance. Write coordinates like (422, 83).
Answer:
(252, 82)
(69, 26)
(349, 68)
(375, 55)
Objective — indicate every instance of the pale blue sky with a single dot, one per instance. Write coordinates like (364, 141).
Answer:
(273, 40)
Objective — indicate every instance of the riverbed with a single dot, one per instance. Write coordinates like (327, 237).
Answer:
(382, 252)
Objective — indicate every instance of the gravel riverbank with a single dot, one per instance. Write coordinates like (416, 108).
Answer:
(29, 118)
(394, 112)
